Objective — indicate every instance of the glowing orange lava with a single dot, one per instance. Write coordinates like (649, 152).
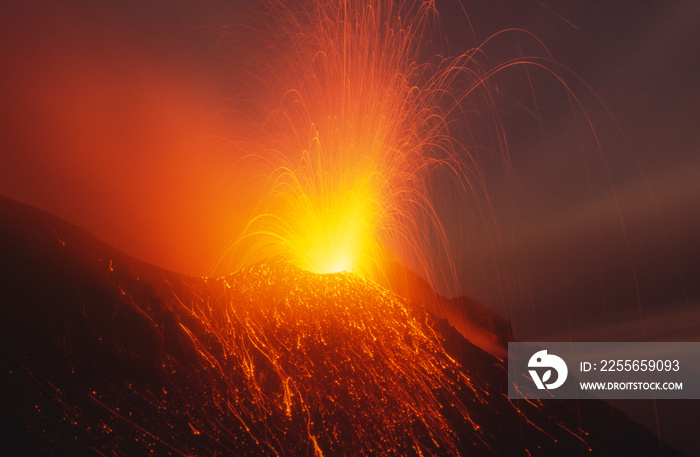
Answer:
(354, 141)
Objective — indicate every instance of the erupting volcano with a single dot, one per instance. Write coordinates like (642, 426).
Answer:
(362, 137)
(313, 336)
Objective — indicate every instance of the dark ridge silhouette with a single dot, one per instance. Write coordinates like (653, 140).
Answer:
(480, 325)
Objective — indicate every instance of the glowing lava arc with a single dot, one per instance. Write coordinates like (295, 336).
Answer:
(355, 140)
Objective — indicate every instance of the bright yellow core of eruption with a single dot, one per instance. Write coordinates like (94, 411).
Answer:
(333, 228)
(325, 213)
(333, 244)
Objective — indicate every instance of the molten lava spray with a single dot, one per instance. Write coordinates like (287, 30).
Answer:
(357, 138)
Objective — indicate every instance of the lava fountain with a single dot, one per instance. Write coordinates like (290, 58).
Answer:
(359, 138)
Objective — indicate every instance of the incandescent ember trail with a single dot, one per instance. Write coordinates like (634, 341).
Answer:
(362, 141)
(331, 362)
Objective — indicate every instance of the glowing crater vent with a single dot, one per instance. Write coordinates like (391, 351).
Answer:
(334, 231)
(322, 217)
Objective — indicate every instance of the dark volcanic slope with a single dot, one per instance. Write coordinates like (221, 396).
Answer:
(103, 354)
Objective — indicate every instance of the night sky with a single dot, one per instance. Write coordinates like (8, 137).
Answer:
(578, 266)
(133, 119)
